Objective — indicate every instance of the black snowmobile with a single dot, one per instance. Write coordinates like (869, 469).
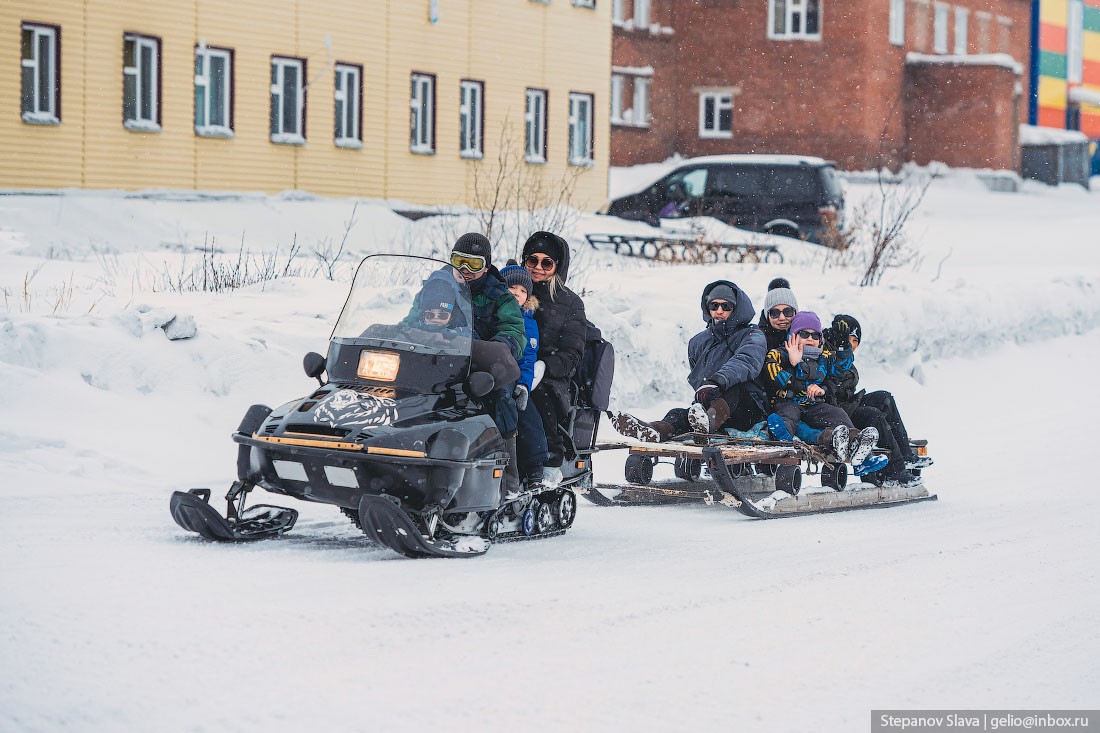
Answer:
(398, 437)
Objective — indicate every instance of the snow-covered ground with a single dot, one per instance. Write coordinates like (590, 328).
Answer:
(685, 618)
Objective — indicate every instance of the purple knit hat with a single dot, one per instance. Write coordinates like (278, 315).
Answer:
(805, 320)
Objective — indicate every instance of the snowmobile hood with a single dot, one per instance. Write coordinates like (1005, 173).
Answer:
(743, 311)
(552, 245)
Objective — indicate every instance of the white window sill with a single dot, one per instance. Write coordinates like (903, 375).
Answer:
(794, 38)
(471, 155)
(141, 126)
(422, 150)
(40, 118)
(536, 160)
(213, 131)
(715, 135)
(348, 143)
(288, 138)
(585, 163)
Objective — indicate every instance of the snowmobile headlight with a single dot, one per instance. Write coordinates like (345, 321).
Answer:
(380, 365)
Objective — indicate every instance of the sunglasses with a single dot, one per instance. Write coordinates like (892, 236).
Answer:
(784, 312)
(543, 263)
(720, 305)
(436, 315)
(808, 334)
(470, 263)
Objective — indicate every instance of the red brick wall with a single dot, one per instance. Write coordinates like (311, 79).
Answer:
(962, 114)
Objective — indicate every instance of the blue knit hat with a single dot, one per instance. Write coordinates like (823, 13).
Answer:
(513, 274)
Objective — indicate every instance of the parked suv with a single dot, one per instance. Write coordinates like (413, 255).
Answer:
(790, 195)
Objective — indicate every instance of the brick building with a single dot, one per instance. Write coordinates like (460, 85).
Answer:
(864, 82)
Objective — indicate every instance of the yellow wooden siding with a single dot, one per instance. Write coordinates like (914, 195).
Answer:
(508, 45)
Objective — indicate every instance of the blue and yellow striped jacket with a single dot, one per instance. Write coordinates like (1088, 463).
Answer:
(786, 383)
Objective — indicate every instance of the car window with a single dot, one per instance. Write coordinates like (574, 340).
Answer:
(832, 183)
(795, 184)
(737, 181)
(694, 181)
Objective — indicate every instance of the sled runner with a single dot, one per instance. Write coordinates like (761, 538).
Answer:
(400, 437)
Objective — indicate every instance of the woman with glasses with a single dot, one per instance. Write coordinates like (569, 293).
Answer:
(795, 379)
(562, 329)
(780, 305)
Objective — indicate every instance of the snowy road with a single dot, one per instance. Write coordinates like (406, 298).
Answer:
(640, 619)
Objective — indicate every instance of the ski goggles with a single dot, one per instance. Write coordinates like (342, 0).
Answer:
(720, 305)
(787, 312)
(470, 263)
(808, 334)
(540, 263)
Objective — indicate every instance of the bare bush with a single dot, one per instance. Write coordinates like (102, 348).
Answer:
(329, 252)
(215, 273)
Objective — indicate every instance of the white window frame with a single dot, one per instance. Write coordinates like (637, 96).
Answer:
(535, 126)
(897, 22)
(1075, 42)
(618, 12)
(204, 84)
(641, 14)
(939, 28)
(962, 31)
(38, 114)
(281, 135)
(471, 118)
(642, 85)
(585, 3)
(723, 100)
(347, 106)
(422, 114)
(145, 90)
(788, 11)
(617, 81)
(581, 137)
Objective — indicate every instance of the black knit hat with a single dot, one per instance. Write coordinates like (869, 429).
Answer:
(439, 294)
(721, 291)
(779, 282)
(846, 326)
(476, 244)
(513, 274)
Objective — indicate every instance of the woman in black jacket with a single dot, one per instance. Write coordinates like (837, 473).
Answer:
(562, 328)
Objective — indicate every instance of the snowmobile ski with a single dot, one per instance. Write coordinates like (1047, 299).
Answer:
(192, 511)
(384, 522)
(809, 503)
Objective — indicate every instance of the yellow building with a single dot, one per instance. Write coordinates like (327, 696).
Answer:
(400, 99)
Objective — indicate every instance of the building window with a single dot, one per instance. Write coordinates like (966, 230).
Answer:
(618, 14)
(984, 20)
(1075, 39)
(213, 92)
(141, 82)
(348, 106)
(616, 99)
(716, 115)
(939, 29)
(288, 100)
(897, 22)
(585, 3)
(641, 14)
(962, 21)
(471, 119)
(794, 19)
(422, 118)
(41, 83)
(535, 123)
(641, 101)
(580, 128)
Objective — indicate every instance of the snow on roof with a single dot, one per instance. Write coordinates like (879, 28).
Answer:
(755, 158)
(1032, 135)
(633, 70)
(970, 59)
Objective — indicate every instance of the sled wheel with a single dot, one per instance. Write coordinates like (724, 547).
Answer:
(639, 470)
(765, 469)
(834, 477)
(492, 529)
(789, 479)
(544, 518)
(689, 469)
(565, 509)
(528, 522)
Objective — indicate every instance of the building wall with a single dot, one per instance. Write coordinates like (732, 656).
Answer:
(1052, 64)
(508, 45)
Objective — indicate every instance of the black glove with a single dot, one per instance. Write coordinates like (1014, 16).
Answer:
(522, 395)
(834, 341)
(707, 393)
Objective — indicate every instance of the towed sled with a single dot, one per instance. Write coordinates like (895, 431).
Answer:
(759, 478)
(397, 437)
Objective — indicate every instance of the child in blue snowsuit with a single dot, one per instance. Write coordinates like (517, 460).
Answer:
(531, 438)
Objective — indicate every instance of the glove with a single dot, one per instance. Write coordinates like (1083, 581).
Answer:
(707, 393)
(522, 395)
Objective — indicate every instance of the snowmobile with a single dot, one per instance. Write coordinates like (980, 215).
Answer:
(398, 436)
(758, 477)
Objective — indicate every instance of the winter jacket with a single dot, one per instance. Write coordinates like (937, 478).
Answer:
(496, 313)
(729, 352)
(840, 389)
(776, 339)
(531, 350)
(787, 383)
(560, 317)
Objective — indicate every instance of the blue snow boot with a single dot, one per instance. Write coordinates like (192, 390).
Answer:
(871, 464)
(778, 428)
(807, 434)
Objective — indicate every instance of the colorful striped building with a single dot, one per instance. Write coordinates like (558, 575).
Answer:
(1066, 66)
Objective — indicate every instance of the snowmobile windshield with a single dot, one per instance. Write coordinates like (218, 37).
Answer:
(406, 303)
